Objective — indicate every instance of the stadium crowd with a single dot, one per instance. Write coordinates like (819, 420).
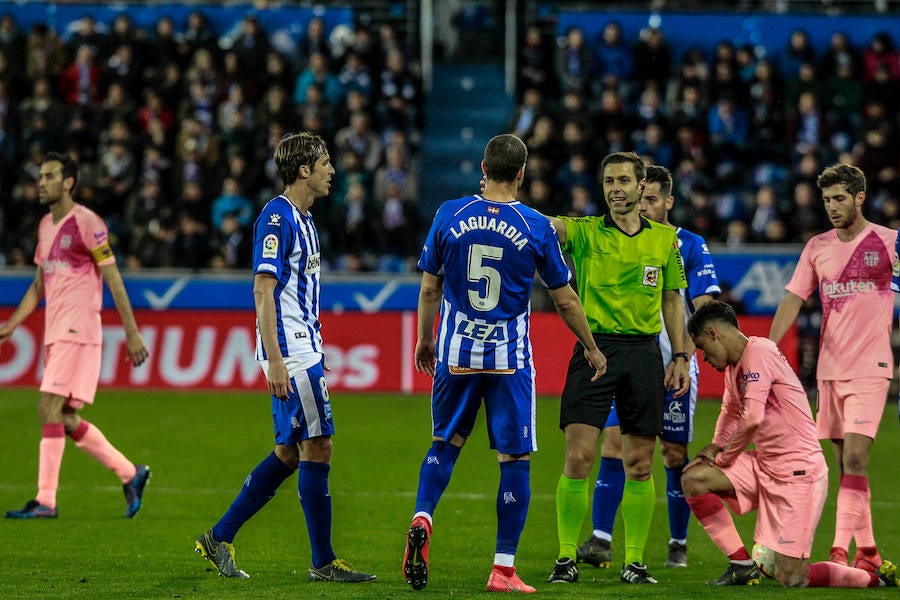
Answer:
(174, 129)
(744, 131)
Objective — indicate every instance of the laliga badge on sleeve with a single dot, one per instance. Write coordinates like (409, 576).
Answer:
(270, 246)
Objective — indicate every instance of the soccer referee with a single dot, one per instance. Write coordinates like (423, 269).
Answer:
(627, 268)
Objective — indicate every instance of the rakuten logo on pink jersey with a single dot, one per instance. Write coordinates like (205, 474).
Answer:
(840, 289)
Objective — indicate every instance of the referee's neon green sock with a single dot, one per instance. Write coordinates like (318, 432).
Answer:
(638, 500)
(571, 508)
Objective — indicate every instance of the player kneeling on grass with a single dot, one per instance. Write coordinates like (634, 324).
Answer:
(785, 477)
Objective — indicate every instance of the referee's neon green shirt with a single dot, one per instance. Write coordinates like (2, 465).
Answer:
(621, 277)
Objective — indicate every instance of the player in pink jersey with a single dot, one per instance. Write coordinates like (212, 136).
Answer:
(72, 256)
(785, 477)
(851, 267)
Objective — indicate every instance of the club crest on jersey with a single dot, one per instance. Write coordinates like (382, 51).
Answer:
(651, 276)
(270, 246)
(65, 242)
(871, 259)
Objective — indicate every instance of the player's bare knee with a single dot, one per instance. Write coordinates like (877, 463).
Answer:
(610, 449)
(638, 469)
(50, 408)
(70, 420)
(579, 461)
(674, 455)
(317, 449)
(694, 481)
(288, 455)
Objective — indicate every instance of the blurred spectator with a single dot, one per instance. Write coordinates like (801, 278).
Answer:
(396, 171)
(317, 73)
(355, 76)
(881, 53)
(353, 223)
(80, 82)
(249, 43)
(398, 104)
(613, 67)
(527, 112)
(198, 35)
(840, 52)
(359, 139)
(574, 63)
(12, 40)
(535, 63)
(231, 201)
(44, 56)
(806, 128)
(798, 52)
(191, 246)
(313, 41)
(232, 244)
(652, 58)
(764, 212)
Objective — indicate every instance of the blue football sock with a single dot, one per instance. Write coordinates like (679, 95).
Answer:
(312, 487)
(679, 511)
(259, 488)
(435, 475)
(513, 497)
(608, 493)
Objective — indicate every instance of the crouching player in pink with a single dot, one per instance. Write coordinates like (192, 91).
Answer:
(785, 478)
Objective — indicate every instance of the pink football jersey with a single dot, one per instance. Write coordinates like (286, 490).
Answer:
(70, 252)
(765, 403)
(854, 282)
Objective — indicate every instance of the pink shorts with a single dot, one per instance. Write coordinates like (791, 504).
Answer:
(851, 406)
(789, 511)
(72, 371)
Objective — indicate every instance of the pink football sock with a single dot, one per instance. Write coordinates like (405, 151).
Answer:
(53, 444)
(864, 535)
(716, 520)
(829, 574)
(851, 499)
(91, 440)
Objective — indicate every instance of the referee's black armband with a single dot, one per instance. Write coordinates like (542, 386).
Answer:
(683, 355)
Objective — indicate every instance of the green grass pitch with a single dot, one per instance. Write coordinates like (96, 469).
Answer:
(202, 445)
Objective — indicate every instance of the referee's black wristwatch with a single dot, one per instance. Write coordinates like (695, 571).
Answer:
(683, 355)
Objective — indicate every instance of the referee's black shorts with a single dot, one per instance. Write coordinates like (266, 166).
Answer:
(634, 378)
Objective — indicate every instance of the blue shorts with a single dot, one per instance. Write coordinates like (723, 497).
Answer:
(509, 407)
(307, 411)
(678, 416)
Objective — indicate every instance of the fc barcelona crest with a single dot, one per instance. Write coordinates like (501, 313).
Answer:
(871, 259)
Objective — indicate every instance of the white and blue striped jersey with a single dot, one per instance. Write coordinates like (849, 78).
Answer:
(488, 252)
(700, 273)
(286, 245)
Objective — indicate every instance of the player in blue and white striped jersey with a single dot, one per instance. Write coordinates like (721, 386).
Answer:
(286, 258)
(479, 263)
(678, 413)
